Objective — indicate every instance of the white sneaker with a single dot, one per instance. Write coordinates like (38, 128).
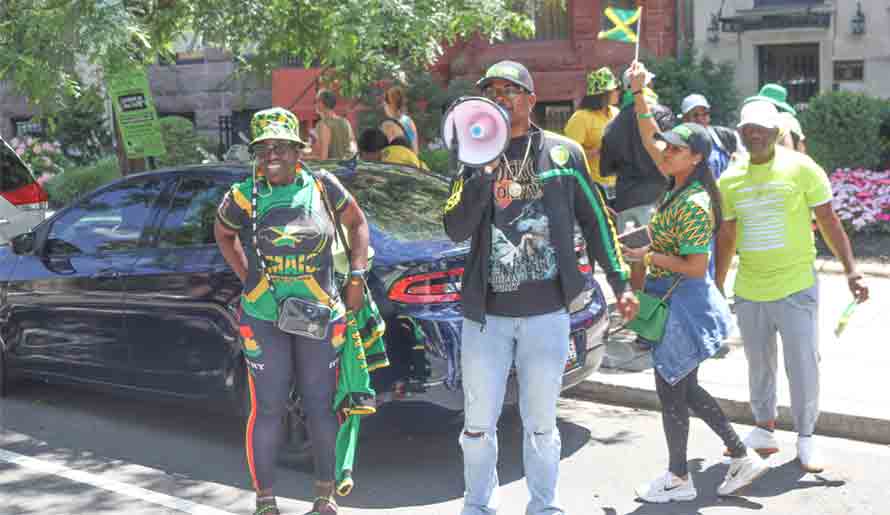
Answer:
(762, 441)
(742, 472)
(810, 458)
(667, 488)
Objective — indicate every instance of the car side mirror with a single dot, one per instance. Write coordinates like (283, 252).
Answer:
(24, 244)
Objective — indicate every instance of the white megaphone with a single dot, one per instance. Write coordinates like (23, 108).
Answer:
(477, 130)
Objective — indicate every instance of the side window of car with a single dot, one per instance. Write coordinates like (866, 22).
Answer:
(189, 220)
(110, 221)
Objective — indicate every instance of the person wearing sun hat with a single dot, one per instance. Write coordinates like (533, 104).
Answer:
(274, 231)
(588, 123)
(775, 94)
(768, 200)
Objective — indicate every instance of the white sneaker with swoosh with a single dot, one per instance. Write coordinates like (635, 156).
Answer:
(742, 472)
(667, 488)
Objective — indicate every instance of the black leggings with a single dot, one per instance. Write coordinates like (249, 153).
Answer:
(274, 360)
(676, 401)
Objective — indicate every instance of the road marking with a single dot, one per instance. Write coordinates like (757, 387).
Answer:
(111, 485)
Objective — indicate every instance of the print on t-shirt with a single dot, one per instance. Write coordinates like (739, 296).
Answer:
(520, 246)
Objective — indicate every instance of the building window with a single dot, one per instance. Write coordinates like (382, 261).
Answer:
(551, 18)
(849, 70)
(783, 3)
(553, 116)
(28, 127)
(796, 67)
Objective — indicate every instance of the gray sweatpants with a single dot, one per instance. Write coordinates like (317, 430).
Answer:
(796, 319)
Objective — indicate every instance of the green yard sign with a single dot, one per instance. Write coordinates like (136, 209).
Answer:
(136, 115)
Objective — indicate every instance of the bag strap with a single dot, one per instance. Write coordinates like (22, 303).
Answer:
(334, 218)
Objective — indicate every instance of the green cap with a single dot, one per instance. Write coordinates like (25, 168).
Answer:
(601, 81)
(275, 123)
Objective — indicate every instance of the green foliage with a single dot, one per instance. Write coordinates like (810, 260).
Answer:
(184, 146)
(677, 77)
(358, 40)
(843, 129)
(80, 125)
(436, 160)
(74, 182)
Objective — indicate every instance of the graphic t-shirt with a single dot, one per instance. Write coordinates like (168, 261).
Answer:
(294, 232)
(772, 204)
(587, 128)
(523, 278)
(684, 227)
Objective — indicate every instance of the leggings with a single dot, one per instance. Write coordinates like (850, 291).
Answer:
(274, 359)
(676, 401)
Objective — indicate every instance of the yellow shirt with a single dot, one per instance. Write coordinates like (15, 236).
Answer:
(400, 155)
(587, 128)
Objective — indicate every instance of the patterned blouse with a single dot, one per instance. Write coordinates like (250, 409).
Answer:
(685, 227)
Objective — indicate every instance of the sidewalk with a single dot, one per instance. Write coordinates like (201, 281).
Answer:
(855, 368)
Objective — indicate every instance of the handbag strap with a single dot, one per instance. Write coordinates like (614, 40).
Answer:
(334, 219)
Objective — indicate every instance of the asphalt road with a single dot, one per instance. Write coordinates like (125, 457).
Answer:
(67, 451)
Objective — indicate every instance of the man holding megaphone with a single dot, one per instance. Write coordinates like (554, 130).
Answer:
(519, 211)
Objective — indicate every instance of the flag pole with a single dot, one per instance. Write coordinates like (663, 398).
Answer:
(639, 21)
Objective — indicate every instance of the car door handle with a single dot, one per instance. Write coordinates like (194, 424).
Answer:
(108, 273)
(4, 221)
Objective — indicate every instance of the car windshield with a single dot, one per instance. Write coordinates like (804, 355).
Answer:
(404, 202)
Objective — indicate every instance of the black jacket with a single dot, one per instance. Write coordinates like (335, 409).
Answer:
(569, 196)
(623, 154)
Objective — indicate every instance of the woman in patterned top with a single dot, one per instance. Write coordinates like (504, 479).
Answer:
(698, 316)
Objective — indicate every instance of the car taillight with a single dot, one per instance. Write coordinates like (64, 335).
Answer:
(27, 197)
(583, 262)
(428, 288)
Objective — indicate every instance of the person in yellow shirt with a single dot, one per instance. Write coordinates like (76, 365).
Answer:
(588, 123)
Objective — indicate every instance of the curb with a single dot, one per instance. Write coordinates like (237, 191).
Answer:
(842, 425)
(831, 266)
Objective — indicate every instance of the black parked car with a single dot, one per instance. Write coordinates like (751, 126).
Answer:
(126, 289)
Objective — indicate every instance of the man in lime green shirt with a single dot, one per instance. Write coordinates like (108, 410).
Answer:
(768, 198)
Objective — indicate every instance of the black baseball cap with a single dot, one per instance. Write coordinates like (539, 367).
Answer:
(510, 71)
(690, 135)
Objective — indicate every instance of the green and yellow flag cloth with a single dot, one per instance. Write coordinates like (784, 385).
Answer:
(622, 24)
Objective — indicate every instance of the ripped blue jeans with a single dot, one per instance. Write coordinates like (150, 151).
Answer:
(539, 347)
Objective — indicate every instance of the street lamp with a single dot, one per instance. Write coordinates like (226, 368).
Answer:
(857, 23)
(714, 29)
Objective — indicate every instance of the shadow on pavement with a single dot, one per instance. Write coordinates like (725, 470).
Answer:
(409, 456)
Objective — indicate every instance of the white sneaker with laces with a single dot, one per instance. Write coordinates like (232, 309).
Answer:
(810, 458)
(667, 488)
(742, 472)
(762, 441)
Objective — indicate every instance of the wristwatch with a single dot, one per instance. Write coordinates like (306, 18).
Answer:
(358, 272)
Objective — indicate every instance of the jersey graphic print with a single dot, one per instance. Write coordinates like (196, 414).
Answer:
(520, 246)
(281, 231)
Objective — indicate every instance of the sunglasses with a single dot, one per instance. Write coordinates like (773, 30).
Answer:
(511, 92)
(267, 150)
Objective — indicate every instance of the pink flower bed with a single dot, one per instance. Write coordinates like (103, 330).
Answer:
(862, 198)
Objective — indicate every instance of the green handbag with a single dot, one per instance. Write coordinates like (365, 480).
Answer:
(652, 317)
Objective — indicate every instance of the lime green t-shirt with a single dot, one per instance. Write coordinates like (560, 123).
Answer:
(772, 206)
(685, 226)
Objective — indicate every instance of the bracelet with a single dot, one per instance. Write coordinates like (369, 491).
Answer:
(358, 272)
(638, 92)
(643, 116)
(647, 259)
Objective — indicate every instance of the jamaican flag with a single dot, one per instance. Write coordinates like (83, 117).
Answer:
(622, 24)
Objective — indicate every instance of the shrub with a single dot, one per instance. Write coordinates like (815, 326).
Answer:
(74, 182)
(184, 146)
(844, 129)
(81, 126)
(676, 77)
(436, 160)
(862, 199)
